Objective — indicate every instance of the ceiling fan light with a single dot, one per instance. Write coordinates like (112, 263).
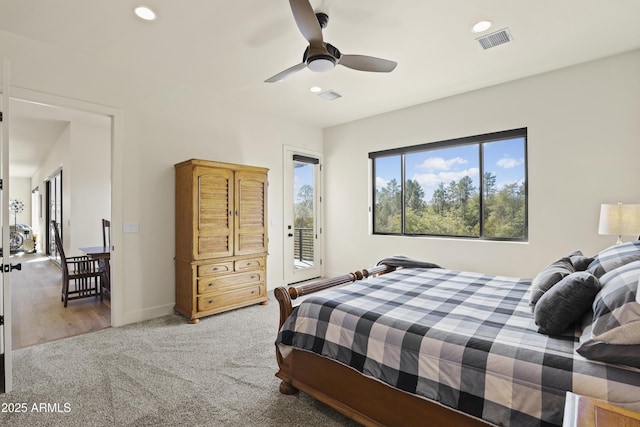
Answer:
(321, 64)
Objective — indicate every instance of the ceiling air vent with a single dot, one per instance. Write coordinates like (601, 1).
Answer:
(495, 39)
(330, 95)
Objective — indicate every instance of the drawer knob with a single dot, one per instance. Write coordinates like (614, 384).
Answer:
(211, 301)
(211, 284)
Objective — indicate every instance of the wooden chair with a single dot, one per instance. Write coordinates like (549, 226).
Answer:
(80, 274)
(106, 232)
(105, 265)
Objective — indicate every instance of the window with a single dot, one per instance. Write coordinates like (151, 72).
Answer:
(474, 187)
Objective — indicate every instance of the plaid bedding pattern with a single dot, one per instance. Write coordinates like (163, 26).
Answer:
(616, 310)
(466, 340)
(613, 257)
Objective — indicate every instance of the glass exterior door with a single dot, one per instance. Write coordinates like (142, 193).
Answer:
(303, 215)
(302, 218)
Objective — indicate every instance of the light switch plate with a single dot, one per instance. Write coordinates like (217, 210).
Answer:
(131, 227)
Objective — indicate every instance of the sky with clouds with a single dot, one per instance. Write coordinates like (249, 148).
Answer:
(505, 159)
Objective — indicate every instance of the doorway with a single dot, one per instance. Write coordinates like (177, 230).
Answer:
(303, 219)
(47, 138)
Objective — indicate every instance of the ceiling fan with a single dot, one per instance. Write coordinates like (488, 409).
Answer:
(320, 56)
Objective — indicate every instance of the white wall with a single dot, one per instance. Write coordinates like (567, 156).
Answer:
(82, 151)
(89, 179)
(583, 146)
(157, 124)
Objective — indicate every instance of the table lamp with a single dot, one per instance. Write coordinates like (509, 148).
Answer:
(619, 219)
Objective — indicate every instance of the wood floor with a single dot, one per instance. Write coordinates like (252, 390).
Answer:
(38, 315)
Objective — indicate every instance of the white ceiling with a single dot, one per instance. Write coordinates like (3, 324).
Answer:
(34, 128)
(229, 48)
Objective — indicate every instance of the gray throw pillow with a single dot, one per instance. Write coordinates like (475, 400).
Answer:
(579, 261)
(548, 277)
(565, 303)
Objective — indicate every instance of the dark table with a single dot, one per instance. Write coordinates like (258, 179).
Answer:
(103, 255)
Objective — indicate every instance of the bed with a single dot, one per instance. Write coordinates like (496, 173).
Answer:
(409, 342)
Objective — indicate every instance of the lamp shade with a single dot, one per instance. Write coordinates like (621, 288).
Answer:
(619, 219)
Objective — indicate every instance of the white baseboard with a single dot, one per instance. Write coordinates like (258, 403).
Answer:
(146, 314)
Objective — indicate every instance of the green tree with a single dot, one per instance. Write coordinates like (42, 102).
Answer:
(489, 191)
(507, 216)
(414, 206)
(439, 200)
(304, 207)
(489, 187)
(388, 208)
(305, 195)
(465, 191)
(454, 209)
(414, 196)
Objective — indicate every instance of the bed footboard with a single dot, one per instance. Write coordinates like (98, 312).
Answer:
(285, 297)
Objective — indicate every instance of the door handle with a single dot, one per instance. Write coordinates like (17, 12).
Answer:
(10, 267)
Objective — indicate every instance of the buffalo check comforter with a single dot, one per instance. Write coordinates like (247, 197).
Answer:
(464, 339)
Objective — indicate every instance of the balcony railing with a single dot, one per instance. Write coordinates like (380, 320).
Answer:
(303, 244)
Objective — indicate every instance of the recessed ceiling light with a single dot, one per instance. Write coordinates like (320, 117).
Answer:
(481, 26)
(316, 89)
(145, 13)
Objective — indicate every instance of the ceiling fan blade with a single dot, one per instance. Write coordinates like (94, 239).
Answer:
(367, 63)
(286, 73)
(306, 20)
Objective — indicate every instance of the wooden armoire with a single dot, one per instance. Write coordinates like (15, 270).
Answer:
(221, 237)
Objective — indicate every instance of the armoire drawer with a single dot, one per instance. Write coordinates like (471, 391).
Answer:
(250, 263)
(221, 283)
(236, 296)
(215, 268)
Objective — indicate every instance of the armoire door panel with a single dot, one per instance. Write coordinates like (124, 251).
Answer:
(251, 204)
(215, 213)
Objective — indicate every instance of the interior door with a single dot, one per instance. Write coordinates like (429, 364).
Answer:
(5, 285)
(303, 221)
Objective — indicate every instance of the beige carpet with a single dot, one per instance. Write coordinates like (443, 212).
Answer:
(162, 372)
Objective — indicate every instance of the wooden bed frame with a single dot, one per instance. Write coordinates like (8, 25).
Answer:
(361, 398)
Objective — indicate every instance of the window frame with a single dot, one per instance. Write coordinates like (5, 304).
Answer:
(480, 140)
